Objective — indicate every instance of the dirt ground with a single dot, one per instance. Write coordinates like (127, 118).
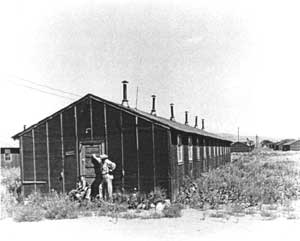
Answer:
(189, 227)
(193, 225)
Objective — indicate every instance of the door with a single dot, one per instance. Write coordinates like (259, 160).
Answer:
(88, 166)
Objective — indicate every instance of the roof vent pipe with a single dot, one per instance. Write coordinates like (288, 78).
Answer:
(153, 111)
(172, 118)
(186, 118)
(125, 100)
(196, 121)
(202, 124)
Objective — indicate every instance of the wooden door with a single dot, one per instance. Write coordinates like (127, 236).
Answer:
(88, 166)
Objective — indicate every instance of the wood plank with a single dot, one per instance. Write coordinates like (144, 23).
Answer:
(171, 169)
(91, 118)
(137, 152)
(122, 149)
(48, 156)
(22, 162)
(153, 157)
(33, 157)
(62, 152)
(105, 129)
(76, 142)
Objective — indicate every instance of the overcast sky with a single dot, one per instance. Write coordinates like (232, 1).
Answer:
(231, 62)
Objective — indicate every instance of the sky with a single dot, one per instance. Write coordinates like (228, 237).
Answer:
(233, 63)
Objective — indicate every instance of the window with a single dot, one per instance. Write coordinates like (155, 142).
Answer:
(7, 155)
(198, 153)
(179, 150)
(198, 150)
(190, 149)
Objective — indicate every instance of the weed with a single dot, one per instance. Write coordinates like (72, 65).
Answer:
(28, 213)
(173, 211)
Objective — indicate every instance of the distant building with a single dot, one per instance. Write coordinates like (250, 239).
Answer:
(241, 147)
(278, 146)
(267, 143)
(291, 146)
(10, 157)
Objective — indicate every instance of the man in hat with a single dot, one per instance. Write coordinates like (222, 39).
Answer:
(106, 170)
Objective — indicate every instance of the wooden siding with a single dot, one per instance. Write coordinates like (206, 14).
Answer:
(146, 156)
(162, 158)
(240, 147)
(41, 156)
(83, 120)
(114, 144)
(295, 146)
(55, 153)
(69, 144)
(28, 161)
(98, 123)
(130, 152)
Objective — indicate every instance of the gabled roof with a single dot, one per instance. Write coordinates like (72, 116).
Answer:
(284, 142)
(241, 142)
(290, 142)
(157, 119)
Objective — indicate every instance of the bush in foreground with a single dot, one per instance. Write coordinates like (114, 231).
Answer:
(246, 182)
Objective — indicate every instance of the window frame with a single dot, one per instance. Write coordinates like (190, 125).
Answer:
(179, 150)
(190, 149)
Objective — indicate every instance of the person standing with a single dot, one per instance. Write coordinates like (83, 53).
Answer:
(107, 168)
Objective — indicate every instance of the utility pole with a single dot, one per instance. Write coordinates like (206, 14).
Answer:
(238, 134)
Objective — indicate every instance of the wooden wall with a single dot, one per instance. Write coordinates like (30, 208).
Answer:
(214, 157)
(55, 153)
(295, 146)
(28, 164)
(69, 146)
(41, 165)
(145, 153)
(240, 147)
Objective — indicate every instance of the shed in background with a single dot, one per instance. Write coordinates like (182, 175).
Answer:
(292, 146)
(241, 147)
(10, 157)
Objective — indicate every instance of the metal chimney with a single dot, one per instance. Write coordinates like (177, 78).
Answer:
(196, 121)
(125, 100)
(172, 118)
(153, 111)
(202, 124)
(186, 118)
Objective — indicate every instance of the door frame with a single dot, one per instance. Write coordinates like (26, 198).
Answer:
(82, 154)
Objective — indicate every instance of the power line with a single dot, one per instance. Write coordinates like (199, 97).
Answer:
(42, 91)
(46, 92)
(47, 86)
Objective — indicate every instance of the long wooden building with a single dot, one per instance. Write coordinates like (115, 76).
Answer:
(291, 146)
(150, 151)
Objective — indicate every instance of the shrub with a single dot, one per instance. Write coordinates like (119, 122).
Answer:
(250, 180)
(58, 206)
(28, 213)
(173, 211)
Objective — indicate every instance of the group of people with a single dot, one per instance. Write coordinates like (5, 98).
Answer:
(102, 186)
